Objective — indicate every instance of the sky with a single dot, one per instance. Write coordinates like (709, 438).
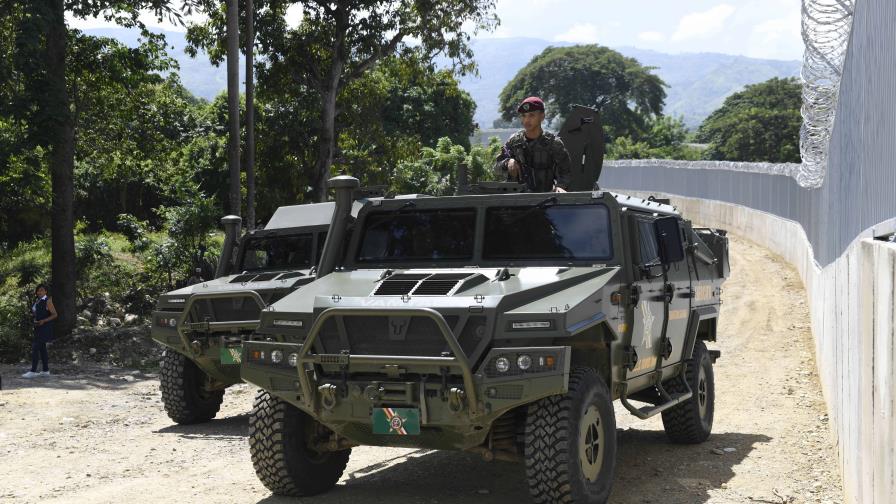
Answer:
(756, 28)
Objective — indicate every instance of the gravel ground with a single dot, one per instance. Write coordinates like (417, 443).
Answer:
(93, 433)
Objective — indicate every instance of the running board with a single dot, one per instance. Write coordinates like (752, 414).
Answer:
(645, 412)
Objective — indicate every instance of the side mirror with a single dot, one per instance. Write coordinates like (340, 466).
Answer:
(668, 239)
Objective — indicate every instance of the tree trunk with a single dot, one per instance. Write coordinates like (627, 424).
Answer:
(62, 163)
(233, 104)
(327, 147)
(250, 116)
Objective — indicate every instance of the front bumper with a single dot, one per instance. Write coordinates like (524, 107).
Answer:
(215, 346)
(457, 404)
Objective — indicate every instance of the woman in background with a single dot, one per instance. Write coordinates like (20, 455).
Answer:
(43, 313)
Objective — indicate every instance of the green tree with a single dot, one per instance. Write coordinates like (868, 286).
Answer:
(626, 93)
(760, 123)
(43, 103)
(664, 139)
(338, 42)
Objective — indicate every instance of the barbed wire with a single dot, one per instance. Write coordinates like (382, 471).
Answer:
(786, 169)
(826, 25)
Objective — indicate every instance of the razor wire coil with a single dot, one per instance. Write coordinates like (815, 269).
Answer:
(826, 26)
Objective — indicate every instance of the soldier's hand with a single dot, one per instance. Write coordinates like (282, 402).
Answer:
(559, 189)
(513, 168)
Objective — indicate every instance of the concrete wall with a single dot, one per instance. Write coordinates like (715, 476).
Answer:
(853, 320)
(827, 234)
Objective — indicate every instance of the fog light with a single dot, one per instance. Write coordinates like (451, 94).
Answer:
(288, 323)
(502, 364)
(524, 362)
(292, 359)
(542, 324)
(276, 356)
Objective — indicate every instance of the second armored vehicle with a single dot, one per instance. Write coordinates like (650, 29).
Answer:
(203, 326)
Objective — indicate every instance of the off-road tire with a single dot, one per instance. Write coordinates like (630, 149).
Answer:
(554, 432)
(280, 455)
(691, 421)
(183, 394)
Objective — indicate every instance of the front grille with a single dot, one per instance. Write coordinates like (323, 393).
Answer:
(286, 276)
(264, 277)
(384, 335)
(224, 309)
(243, 278)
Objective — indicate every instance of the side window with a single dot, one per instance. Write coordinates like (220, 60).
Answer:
(321, 239)
(647, 245)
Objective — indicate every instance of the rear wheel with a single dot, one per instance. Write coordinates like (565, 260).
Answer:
(283, 461)
(571, 443)
(691, 421)
(183, 388)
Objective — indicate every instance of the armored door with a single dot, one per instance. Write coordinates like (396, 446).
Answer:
(653, 288)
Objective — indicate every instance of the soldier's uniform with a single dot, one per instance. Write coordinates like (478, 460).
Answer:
(545, 161)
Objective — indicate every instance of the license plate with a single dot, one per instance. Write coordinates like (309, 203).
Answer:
(396, 421)
(231, 355)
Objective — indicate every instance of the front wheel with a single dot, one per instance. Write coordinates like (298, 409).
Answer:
(691, 421)
(571, 443)
(183, 390)
(283, 461)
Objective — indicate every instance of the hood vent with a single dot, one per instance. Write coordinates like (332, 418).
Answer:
(243, 278)
(263, 277)
(423, 284)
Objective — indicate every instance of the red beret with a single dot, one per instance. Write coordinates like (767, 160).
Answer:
(531, 104)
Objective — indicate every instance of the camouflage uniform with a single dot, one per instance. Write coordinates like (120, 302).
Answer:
(545, 158)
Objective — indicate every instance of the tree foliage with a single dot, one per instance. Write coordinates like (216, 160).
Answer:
(665, 139)
(626, 93)
(760, 123)
(337, 43)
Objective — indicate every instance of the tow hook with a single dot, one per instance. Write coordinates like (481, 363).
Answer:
(456, 397)
(328, 395)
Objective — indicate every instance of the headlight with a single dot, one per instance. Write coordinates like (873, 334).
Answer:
(177, 300)
(172, 323)
(502, 364)
(276, 356)
(292, 359)
(524, 362)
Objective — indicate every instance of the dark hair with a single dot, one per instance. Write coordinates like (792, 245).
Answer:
(42, 286)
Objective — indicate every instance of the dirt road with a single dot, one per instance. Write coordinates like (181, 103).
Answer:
(101, 435)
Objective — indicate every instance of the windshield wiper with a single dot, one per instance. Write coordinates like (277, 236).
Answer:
(547, 202)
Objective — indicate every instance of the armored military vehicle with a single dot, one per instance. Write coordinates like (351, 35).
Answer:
(503, 323)
(202, 326)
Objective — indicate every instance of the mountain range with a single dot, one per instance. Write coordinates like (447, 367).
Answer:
(698, 82)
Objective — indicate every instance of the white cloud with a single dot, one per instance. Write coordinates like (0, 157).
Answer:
(778, 38)
(579, 33)
(651, 36)
(703, 24)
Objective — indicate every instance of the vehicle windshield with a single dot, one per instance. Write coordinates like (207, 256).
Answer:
(570, 232)
(277, 253)
(418, 235)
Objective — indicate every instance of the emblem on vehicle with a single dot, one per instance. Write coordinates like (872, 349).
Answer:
(398, 327)
(647, 318)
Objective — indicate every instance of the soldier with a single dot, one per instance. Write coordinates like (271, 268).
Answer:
(534, 156)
